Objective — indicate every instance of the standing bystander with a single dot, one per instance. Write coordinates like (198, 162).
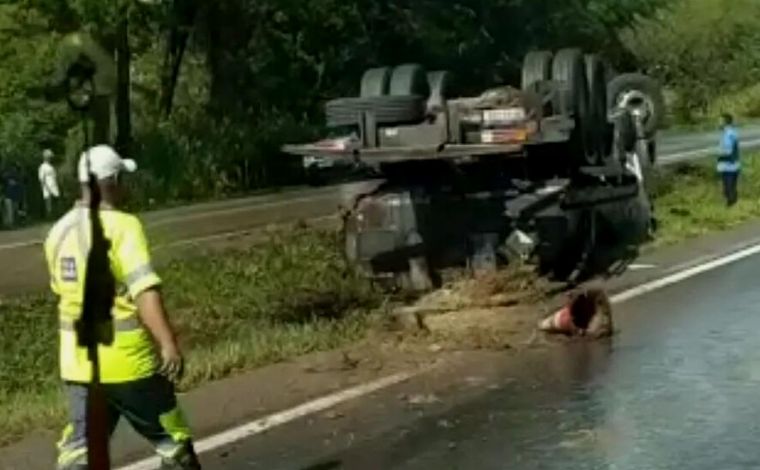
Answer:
(728, 159)
(49, 183)
(12, 195)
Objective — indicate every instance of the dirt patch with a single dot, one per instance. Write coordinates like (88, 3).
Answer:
(498, 310)
(493, 328)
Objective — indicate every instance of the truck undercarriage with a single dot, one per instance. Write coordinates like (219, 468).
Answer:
(554, 172)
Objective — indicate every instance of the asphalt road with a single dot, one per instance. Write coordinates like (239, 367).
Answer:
(677, 388)
(202, 224)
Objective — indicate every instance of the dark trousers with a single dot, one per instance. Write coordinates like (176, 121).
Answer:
(149, 405)
(730, 186)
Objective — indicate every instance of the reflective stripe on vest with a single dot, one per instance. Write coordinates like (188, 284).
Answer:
(139, 274)
(70, 225)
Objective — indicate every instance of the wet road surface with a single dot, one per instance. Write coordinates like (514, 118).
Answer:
(678, 388)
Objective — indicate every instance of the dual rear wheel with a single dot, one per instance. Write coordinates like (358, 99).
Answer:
(583, 96)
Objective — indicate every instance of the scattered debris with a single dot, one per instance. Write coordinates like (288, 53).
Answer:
(475, 381)
(409, 319)
(333, 362)
(445, 424)
(579, 438)
(348, 362)
(333, 415)
(429, 399)
(435, 348)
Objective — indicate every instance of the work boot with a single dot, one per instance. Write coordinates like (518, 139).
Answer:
(185, 459)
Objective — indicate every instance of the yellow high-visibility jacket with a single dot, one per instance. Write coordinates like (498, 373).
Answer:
(132, 355)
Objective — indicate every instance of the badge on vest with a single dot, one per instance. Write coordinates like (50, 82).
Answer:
(69, 269)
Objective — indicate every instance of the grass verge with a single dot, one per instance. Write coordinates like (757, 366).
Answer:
(289, 296)
(689, 200)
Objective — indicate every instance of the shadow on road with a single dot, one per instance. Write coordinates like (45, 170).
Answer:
(331, 465)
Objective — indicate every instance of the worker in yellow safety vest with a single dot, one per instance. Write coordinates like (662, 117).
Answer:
(137, 377)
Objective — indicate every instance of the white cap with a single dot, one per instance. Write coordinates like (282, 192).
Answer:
(104, 163)
(47, 154)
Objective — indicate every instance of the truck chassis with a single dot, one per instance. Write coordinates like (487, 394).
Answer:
(561, 184)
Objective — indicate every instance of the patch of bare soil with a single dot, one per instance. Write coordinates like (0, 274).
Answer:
(498, 310)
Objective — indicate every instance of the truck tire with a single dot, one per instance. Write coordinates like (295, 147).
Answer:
(569, 68)
(537, 67)
(639, 93)
(409, 79)
(386, 109)
(376, 82)
(601, 130)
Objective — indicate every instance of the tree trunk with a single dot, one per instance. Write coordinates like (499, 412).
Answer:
(123, 108)
(228, 33)
(183, 18)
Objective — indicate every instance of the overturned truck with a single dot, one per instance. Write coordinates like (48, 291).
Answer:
(554, 171)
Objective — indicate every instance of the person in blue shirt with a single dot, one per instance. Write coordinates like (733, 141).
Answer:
(728, 159)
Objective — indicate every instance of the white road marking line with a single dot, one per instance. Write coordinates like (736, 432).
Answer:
(638, 267)
(13, 246)
(190, 240)
(238, 209)
(687, 273)
(679, 157)
(234, 233)
(277, 419)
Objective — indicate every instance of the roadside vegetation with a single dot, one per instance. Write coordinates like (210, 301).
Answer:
(689, 201)
(706, 74)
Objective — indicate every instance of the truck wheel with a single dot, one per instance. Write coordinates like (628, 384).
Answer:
(601, 130)
(569, 68)
(641, 95)
(386, 109)
(537, 67)
(409, 79)
(376, 82)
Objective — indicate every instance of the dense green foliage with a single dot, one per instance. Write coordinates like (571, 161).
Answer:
(216, 87)
(706, 50)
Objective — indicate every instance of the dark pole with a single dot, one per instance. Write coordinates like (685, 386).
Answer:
(95, 327)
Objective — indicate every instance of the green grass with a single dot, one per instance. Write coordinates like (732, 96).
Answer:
(689, 200)
(242, 309)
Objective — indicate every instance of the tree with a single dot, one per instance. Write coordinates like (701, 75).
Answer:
(181, 21)
(701, 66)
